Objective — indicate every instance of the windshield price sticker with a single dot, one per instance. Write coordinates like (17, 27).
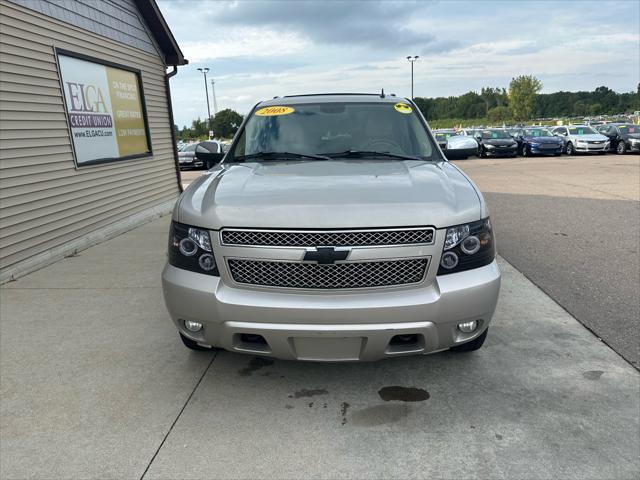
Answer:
(402, 108)
(274, 111)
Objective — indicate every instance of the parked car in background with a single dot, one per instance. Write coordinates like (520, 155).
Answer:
(582, 139)
(469, 132)
(454, 145)
(496, 142)
(187, 155)
(538, 141)
(623, 137)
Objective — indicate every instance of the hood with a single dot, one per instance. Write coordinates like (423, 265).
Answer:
(330, 194)
(499, 142)
(460, 142)
(542, 139)
(591, 138)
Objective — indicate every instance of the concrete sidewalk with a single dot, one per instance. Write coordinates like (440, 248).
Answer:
(96, 384)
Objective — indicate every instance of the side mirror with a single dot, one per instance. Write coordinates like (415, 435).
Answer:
(209, 159)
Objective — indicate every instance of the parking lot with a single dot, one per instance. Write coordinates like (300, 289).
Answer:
(101, 386)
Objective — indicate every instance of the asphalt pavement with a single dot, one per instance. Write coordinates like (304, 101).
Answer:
(572, 226)
(94, 383)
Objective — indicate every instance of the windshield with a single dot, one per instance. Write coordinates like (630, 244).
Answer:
(628, 128)
(441, 136)
(333, 128)
(490, 134)
(537, 132)
(582, 131)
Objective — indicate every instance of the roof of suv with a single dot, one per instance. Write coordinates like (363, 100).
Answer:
(331, 98)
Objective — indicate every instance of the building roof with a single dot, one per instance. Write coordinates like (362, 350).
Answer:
(161, 32)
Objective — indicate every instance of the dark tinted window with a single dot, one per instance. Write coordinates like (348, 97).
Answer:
(325, 128)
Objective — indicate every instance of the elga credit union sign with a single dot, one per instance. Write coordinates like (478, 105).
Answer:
(104, 109)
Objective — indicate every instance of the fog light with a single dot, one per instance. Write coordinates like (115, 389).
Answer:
(206, 262)
(449, 260)
(192, 326)
(468, 327)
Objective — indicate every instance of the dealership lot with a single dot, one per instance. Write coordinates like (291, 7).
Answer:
(101, 386)
(572, 226)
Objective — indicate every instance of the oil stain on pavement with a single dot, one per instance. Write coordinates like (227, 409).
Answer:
(403, 394)
(255, 364)
(593, 374)
(304, 393)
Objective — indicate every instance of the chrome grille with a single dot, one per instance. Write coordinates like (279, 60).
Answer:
(338, 238)
(339, 275)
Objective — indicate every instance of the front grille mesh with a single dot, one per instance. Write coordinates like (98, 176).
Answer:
(334, 239)
(335, 276)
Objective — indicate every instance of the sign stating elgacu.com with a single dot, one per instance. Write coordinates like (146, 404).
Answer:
(104, 110)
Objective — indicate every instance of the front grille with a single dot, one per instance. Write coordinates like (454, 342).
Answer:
(340, 275)
(338, 238)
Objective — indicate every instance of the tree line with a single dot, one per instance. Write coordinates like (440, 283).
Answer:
(522, 101)
(224, 124)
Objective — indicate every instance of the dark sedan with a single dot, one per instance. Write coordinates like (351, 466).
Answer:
(623, 137)
(496, 143)
(538, 141)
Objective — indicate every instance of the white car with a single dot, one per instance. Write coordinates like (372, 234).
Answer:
(581, 139)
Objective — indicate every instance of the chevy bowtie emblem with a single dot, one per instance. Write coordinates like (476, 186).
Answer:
(325, 255)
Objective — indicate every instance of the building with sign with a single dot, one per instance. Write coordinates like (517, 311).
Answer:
(86, 129)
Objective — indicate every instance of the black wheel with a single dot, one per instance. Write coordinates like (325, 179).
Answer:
(570, 149)
(621, 148)
(193, 345)
(474, 344)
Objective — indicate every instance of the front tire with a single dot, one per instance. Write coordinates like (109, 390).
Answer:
(524, 151)
(570, 149)
(473, 345)
(193, 345)
(621, 148)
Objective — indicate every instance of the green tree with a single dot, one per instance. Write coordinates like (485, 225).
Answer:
(499, 114)
(522, 96)
(226, 123)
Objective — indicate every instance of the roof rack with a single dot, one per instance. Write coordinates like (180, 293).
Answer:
(339, 93)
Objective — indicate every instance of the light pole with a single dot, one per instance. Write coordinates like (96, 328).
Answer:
(206, 92)
(411, 60)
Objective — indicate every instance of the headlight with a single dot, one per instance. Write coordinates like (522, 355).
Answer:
(534, 144)
(190, 249)
(467, 246)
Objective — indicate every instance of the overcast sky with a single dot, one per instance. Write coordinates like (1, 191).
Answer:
(259, 49)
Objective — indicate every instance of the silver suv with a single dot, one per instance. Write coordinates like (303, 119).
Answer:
(334, 229)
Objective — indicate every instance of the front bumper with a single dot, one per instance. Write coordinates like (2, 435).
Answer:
(581, 147)
(545, 149)
(633, 146)
(346, 326)
(501, 152)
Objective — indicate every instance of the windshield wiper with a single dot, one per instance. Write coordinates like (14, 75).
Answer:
(276, 155)
(364, 153)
